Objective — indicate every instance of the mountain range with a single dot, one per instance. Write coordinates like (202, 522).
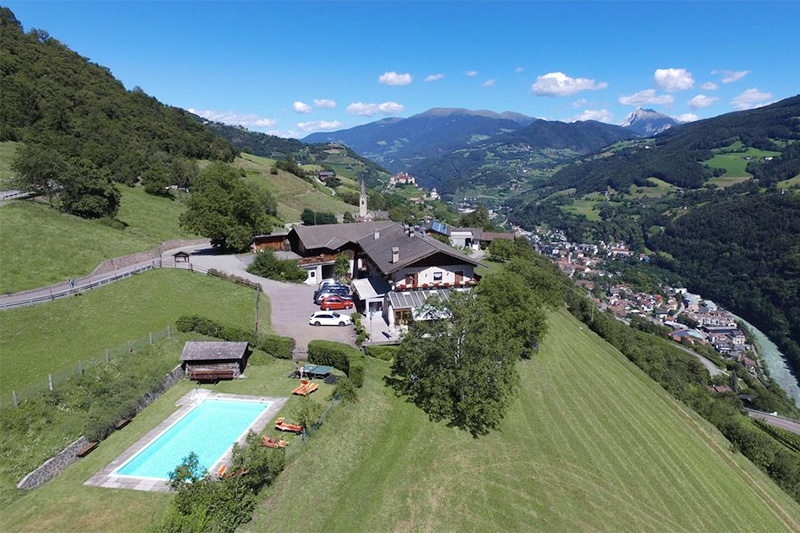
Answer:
(648, 123)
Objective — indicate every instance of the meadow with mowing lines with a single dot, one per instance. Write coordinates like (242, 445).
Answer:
(660, 188)
(50, 246)
(735, 163)
(7, 152)
(50, 337)
(591, 443)
(292, 193)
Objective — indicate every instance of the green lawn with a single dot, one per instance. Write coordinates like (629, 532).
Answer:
(42, 246)
(791, 182)
(735, 164)
(583, 207)
(661, 188)
(591, 443)
(292, 193)
(7, 152)
(51, 337)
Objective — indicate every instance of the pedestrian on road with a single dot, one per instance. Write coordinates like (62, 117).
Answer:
(72, 283)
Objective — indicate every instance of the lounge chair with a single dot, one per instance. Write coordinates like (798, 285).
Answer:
(294, 428)
(301, 390)
(272, 443)
(221, 471)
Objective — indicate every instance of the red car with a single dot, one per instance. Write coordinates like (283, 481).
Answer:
(335, 302)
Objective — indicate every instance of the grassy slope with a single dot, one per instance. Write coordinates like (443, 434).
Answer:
(293, 194)
(47, 246)
(735, 164)
(591, 443)
(51, 337)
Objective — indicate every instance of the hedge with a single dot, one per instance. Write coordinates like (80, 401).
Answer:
(206, 326)
(340, 356)
(384, 353)
(276, 346)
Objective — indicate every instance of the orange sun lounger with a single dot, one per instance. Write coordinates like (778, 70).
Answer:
(305, 389)
(272, 443)
(221, 471)
(294, 428)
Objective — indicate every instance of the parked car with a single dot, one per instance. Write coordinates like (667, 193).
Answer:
(335, 302)
(329, 318)
(326, 282)
(342, 290)
(325, 294)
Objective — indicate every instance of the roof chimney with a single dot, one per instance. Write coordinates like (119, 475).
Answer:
(395, 254)
(377, 235)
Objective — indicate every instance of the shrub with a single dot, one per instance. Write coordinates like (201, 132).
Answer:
(345, 390)
(206, 326)
(308, 413)
(384, 353)
(276, 346)
(267, 265)
(340, 356)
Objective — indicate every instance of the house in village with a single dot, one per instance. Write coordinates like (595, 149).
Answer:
(325, 175)
(472, 238)
(402, 178)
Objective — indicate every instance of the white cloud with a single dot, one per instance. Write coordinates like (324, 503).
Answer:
(434, 77)
(324, 103)
(301, 107)
(318, 125)
(559, 84)
(751, 98)
(687, 117)
(248, 120)
(471, 73)
(489, 83)
(579, 103)
(702, 100)
(646, 97)
(709, 86)
(393, 78)
(730, 76)
(673, 79)
(367, 110)
(519, 69)
(290, 134)
(600, 115)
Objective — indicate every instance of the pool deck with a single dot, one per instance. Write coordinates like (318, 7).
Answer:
(106, 476)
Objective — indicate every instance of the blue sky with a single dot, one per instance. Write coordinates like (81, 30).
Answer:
(293, 68)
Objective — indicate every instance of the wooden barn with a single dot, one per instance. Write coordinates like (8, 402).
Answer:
(276, 242)
(212, 361)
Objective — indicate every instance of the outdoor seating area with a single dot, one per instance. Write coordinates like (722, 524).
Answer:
(305, 388)
(312, 372)
(292, 428)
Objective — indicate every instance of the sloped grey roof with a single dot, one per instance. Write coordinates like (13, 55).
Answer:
(412, 248)
(213, 351)
(334, 236)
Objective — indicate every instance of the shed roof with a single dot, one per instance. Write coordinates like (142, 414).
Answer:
(213, 351)
(368, 288)
(334, 236)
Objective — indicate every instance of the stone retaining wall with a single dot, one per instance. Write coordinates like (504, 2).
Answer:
(121, 262)
(55, 465)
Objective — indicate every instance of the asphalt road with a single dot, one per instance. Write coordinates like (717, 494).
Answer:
(777, 421)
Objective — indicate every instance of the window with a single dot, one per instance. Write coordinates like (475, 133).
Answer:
(437, 276)
(312, 274)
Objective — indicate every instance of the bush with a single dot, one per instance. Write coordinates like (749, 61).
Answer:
(384, 353)
(340, 356)
(276, 346)
(308, 413)
(267, 265)
(345, 390)
(206, 326)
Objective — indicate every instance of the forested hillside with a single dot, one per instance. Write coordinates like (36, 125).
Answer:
(82, 130)
(676, 155)
(745, 252)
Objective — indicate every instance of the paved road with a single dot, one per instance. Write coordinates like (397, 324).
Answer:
(713, 369)
(777, 421)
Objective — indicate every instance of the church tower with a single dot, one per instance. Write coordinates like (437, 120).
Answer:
(362, 202)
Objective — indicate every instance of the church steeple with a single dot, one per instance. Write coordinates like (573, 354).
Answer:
(362, 202)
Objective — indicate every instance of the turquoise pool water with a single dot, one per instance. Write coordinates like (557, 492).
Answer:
(208, 430)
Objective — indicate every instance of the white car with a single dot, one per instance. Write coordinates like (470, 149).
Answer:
(329, 318)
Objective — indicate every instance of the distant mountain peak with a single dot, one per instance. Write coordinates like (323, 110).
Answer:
(449, 111)
(648, 122)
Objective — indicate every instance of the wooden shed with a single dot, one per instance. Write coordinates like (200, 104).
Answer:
(212, 361)
(275, 242)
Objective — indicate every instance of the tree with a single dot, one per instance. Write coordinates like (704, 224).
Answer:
(87, 191)
(478, 219)
(501, 249)
(317, 218)
(348, 217)
(341, 268)
(460, 368)
(38, 170)
(227, 210)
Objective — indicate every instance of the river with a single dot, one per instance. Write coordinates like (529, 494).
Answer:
(775, 362)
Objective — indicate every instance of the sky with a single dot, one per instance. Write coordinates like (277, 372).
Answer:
(292, 68)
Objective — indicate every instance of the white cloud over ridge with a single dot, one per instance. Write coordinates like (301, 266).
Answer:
(687, 117)
(434, 77)
(393, 78)
(730, 76)
(751, 98)
(301, 107)
(673, 79)
(318, 125)
(646, 97)
(709, 86)
(325, 103)
(600, 115)
(556, 84)
(363, 109)
(248, 120)
(701, 101)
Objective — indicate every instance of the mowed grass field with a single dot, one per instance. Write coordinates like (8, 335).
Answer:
(735, 164)
(42, 246)
(591, 443)
(52, 337)
(292, 193)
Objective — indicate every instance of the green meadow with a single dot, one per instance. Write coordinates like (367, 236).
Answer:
(735, 163)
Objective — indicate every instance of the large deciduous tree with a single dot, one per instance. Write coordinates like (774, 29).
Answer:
(227, 210)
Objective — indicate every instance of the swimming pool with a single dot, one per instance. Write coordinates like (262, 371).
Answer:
(209, 430)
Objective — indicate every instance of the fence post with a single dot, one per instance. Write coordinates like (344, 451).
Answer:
(151, 337)
(50, 382)
(169, 335)
(80, 366)
(14, 398)
(130, 347)
(107, 357)
(258, 293)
